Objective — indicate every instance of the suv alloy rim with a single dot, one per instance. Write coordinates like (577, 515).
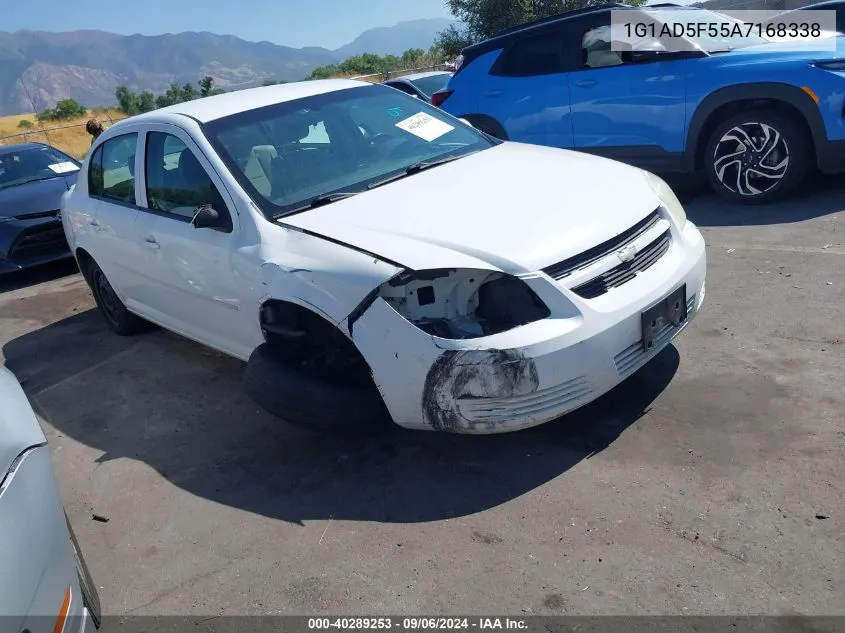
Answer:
(751, 158)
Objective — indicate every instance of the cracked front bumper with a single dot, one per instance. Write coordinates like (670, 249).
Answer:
(534, 373)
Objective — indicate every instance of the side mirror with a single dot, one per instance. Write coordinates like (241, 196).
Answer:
(207, 217)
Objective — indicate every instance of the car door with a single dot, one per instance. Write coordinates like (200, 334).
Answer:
(192, 288)
(527, 92)
(625, 110)
(112, 188)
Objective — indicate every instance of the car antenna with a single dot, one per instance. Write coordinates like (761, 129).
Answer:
(41, 123)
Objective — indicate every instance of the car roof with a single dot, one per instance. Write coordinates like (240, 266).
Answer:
(505, 36)
(8, 149)
(415, 76)
(220, 106)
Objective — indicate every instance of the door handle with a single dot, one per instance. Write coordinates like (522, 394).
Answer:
(151, 242)
(585, 83)
(493, 93)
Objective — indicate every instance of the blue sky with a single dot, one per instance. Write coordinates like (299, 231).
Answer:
(329, 23)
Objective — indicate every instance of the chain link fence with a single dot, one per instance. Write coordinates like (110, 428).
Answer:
(71, 138)
(393, 74)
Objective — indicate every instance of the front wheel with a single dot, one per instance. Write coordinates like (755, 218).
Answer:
(757, 157)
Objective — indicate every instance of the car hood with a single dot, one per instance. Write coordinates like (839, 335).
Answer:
(19, 428)
(35, 197)
(514, 207)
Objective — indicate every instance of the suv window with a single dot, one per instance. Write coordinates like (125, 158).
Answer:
(176, 181)
(596, 49)
(537, 55)
(111, 173)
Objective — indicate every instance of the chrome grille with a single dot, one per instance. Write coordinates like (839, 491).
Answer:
(568, 266)
(625, 272)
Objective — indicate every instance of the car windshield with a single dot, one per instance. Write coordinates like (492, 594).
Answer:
(716, 32)
(29, 164)
(293, 153)
(430, 85)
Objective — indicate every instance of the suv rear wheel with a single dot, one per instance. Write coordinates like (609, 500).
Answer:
(757, 157)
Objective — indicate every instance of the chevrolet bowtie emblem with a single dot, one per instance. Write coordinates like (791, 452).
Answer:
(627, 254)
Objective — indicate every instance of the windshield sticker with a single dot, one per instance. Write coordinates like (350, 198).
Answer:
(63, 168)
(425, 126)
(395, 112)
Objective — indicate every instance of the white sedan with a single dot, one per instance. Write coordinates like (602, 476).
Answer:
(371, 257)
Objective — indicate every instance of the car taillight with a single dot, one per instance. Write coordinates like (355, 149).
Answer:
(440, 96)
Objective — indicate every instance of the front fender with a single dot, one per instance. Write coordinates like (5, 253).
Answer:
(324, 277)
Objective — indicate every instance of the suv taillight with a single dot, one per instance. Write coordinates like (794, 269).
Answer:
(440, 96)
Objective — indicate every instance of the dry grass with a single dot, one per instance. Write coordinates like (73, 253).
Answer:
(73, 140)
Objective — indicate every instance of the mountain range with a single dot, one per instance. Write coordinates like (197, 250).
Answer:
(37, 68)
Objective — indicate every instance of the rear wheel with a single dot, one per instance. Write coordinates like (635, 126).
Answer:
(757, 157)
(120, 320)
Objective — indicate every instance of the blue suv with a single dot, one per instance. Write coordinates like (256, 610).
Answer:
(756, 115)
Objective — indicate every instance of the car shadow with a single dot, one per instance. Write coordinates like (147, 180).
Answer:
(37, 275)
(819, 196)
(180, 409)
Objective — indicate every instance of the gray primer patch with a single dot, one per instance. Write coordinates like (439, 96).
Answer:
(482, 373)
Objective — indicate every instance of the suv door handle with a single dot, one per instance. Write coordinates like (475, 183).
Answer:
(151, 242)
(493, 93)
(585, 83)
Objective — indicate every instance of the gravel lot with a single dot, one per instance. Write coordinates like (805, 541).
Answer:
(711, 482)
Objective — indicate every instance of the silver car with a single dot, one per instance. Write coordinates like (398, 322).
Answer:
(421, 85)
(45, 585)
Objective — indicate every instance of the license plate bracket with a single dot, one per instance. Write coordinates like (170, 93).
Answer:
(670, 311)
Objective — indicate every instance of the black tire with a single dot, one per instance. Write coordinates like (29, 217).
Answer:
(747, 151)
(311, 402)
(120, 320)
(90, 597)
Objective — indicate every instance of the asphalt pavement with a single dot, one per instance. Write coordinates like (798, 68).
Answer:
(711, 482)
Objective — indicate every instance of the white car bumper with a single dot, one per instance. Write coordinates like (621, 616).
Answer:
(534, 373)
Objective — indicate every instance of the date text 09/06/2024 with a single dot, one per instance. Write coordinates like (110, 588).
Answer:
(416, 623)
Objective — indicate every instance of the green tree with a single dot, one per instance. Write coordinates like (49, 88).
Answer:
(480, 19)
(127, 101)
(64, 110)
(145, 102)
(412, 57)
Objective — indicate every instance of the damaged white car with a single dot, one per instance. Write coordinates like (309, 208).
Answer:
(371, 257)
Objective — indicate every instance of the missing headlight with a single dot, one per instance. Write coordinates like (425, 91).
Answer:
(508, 302)
(463, 304)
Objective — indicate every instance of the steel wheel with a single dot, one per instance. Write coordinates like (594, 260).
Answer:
(109, 301)
(120, 320)
(751, 158)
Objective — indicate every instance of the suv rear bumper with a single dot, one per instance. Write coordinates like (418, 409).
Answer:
(831, 157)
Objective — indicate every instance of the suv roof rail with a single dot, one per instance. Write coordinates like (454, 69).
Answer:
(561, 16)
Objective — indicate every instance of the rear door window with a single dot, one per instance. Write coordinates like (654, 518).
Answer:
(536, 55)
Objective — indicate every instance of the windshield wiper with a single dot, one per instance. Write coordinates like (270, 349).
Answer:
(415, 169)
(319, 201)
